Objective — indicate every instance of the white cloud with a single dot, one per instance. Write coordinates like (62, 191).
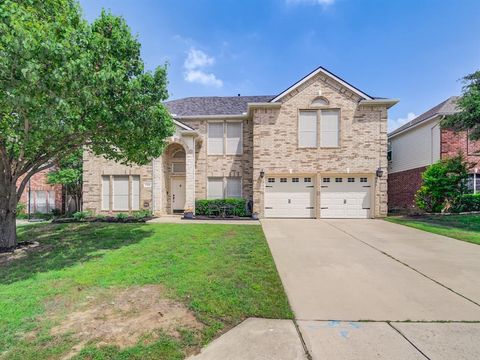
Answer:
(396, 123)
(311, 2)
(194, 66)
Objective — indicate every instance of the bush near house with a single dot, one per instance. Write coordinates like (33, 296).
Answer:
(212, 207)
(443, 185)
(468, 202)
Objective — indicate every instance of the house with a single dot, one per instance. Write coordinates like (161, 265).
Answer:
(316, 150)
(44, 197)
(419, 143)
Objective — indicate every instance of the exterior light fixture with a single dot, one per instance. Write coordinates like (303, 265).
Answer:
(262, 174)
(379, 172)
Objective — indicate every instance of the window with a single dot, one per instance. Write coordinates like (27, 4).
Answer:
(51, 200)
(125, 195)
(271, 180)
(329, 124)
(295, 180)
(283, 180)
(470, 185)
(363, 179)
(326, 180)
(221, 188)
(215, 188)
(215, 138)
(351, 179)
(105, 192)
(41, 202)
(225, 138)
(307, 180)
(234, 138)
(320, 101)
(389, 151)
(307, 129)
(234, 187)
(338, 180)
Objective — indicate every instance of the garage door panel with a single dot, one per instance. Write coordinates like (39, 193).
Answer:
(289, 199)
(345, 199)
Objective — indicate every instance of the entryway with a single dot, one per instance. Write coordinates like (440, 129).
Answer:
(178, 194)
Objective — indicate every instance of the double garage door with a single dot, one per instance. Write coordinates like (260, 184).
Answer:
(340, 197)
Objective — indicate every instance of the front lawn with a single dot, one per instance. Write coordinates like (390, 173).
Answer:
(461, 227)
(89, 289)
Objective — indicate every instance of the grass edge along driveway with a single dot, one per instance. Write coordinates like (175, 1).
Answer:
(461, 227)
(221, 273)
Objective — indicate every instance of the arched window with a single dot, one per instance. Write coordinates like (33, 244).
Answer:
(320, 101)
(179, 154)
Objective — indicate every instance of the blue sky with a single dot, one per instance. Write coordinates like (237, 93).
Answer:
(414, 50)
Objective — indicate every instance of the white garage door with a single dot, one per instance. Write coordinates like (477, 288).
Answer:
(345, 197)
(290, 197)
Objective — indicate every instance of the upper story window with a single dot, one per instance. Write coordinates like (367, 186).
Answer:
(320, 101)
(225, 138)
(308, 124)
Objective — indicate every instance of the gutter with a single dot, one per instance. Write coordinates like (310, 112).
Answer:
(388, 102)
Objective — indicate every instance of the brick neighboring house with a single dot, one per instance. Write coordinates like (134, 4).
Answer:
(44, 197)
(422, 142)
(317, 149)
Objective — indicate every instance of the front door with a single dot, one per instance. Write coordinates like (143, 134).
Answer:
(178, 194)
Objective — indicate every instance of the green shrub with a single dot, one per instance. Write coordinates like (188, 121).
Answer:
(142, 214)
(468, 202)
(81, 215)
(21, 208)
(56, 212)
(212, 207)
(121, 216)
(443, 185)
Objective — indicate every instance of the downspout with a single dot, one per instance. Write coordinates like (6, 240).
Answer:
(153, 186)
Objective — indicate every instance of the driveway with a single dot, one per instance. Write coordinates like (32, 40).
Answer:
(372, 289)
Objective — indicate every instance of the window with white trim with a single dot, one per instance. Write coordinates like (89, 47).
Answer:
(307, 129)
(295, 180)
(351, 179)
(221, 188)
(283, 180)
(326, 180)
(363, 179)
(271, 180)
(338, 180)
(307, 179)
(329, 128)
(225, 138)
(124, 194)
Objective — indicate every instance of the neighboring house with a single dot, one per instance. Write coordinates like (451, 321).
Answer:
(43, 196)
(317, 149)
(420, 143)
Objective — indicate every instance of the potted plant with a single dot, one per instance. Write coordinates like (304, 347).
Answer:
(188, 213)
(255, 216)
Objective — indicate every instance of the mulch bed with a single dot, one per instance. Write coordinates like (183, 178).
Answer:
(204, 217)
(107, 219)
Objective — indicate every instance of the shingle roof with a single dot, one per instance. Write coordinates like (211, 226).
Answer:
(213, 105)
(446, 107)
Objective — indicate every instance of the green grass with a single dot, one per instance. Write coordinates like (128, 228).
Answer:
(223, 273)
(461, 227)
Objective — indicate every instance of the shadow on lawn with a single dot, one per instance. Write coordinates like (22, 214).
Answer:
(64, 245)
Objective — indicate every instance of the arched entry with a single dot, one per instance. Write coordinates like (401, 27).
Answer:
(175, 176)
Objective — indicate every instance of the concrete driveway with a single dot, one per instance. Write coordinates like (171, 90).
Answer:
(363, 289)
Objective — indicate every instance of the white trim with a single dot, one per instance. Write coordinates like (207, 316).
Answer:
(388, 102)
(183, 126)
(327, 73)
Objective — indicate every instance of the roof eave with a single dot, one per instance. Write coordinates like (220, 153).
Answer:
(386, 102)
(414, 126)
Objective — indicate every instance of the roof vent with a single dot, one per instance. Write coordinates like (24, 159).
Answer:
(238, 94)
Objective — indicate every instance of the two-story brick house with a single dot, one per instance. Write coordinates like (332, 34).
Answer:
(317, 149)
(420, 143)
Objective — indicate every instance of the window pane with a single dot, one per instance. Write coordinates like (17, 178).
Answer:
(135, 192)
(105, 192)
(41, 201)
(329, 128)
(215, 138)
(234, 187)
(51, 200)
(215, 188)
(120, 193)
(307, 129)
(234, 138)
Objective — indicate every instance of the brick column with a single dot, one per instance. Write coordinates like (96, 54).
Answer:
(190, 178)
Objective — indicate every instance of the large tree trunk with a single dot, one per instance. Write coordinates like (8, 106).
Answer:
(8, 210)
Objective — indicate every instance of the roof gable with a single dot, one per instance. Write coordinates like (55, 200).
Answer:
(446, 107)
(322, 70)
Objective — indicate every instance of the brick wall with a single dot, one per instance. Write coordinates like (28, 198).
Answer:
(453, 142)
(38, 182)
(402, 187)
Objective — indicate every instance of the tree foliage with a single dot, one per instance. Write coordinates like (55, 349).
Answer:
(469, 104)
(443, 185)
(66, 84)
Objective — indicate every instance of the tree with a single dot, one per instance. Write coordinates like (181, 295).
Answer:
(69, 174)
(443, 185)
(66, 84)
(469, 104)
